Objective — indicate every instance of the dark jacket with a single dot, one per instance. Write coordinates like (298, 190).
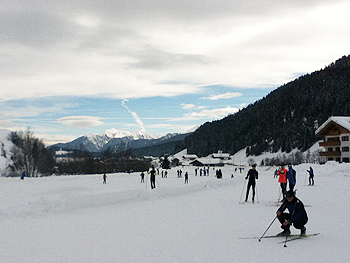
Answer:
(296, 209)
(252, 175)
(153, 174)
(291, 176)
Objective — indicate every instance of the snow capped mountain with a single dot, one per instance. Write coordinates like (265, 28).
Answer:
(114, 133)
(97, 142)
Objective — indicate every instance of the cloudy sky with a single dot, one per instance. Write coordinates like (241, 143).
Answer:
(70, 68)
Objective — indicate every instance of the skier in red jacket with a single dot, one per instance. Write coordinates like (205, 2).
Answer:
(283, 180)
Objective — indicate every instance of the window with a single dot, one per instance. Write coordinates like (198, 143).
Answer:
(345, 149)
(345, 138)
(345, 160)
(333, 139)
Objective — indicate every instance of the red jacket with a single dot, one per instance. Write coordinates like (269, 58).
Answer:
(282, 173)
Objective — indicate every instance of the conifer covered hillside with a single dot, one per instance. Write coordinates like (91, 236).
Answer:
(285, 119)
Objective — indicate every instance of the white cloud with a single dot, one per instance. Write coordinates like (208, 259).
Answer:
(7, 124)
(187, 106)
(81, 121)
(213, 114)
(135, 116)
(50, 139)
(142, 49)
(227, 95)
(164, 48)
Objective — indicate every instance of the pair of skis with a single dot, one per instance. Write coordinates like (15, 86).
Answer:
(288, 238)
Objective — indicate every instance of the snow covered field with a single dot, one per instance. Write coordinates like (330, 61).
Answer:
(78, 219)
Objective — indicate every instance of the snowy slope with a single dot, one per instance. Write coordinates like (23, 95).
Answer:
(78, 219)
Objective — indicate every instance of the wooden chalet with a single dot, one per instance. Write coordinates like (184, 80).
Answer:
(335, 133)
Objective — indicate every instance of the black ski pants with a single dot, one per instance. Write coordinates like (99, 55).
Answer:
(153, 182)
(286, 217)
(284, 189)
(250, 184)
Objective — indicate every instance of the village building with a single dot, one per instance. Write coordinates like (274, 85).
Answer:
(335, 133)
(222, 156)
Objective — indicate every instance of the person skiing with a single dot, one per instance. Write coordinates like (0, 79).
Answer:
(252, 175)
(297, 215)
(283, 180)
(104, 178)
(153, 177)
(142, 177)
(219, 174)
(291, 177)
(311, 176)
(186, 178)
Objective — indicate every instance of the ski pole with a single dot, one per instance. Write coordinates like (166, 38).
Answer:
(240, 199)
(279, 194)
(305, 183)
(285, 241)
(256, 192)
(267, 228)
(291, 218)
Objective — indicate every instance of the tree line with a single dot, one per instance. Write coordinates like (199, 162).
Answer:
(31, 157)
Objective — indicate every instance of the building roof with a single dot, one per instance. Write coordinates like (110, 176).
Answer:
(221, 155)
(189, 156)
(341, 121)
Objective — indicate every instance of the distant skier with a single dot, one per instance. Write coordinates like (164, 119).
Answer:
(104, 178)
(297, 215)
(186, 178)
(219, 174)
(291, 177)
(283, 180)
(142, 177)
(311, 176)
(153, 177)
(252, 175)
(23, 175)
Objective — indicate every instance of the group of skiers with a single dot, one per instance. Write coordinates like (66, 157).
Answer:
(296, 215)
(284, 176)
(153, 172)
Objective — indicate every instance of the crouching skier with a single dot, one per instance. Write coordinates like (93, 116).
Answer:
(297, 215)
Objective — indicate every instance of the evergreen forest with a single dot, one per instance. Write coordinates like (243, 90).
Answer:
(285, 119)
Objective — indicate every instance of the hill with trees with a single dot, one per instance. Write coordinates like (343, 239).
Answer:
(283, 120)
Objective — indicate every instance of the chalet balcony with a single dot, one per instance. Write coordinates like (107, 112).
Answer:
(331, 154)
(329, 143)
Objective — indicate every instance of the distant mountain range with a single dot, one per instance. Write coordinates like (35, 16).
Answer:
(118, 141)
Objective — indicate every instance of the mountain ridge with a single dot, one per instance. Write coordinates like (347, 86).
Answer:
(113, 139)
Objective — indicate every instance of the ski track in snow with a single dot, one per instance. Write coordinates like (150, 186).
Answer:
(78, 219)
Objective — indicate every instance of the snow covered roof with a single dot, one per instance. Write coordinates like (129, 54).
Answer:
(189, 156)
(221, 155)
(342, 121)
